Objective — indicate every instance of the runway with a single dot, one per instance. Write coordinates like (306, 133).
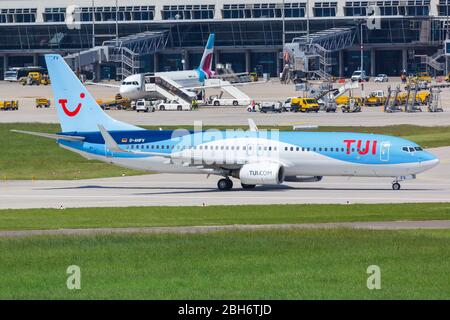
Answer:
(376, 225)
(198, 190)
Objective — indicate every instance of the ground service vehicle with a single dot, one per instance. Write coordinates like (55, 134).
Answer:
(42, 103)
(422, 97)
(216, 101)
(352, 106)
(359, 76)
(421, 77)
(144, 106)
(346, 100)
(174, 105)
(35, 78)
(304, 105)
(9, 105)
(266, 106)
(376, 98)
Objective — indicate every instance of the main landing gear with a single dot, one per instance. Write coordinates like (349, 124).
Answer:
(225, 184)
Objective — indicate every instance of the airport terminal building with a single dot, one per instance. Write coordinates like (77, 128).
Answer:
(170, 34)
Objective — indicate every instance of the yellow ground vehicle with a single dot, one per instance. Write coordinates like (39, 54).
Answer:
(9, 105)
(35, 78)
(422, 97)
(447, 78)
(421, 77)
(376, 98)
(345, 100)
(42, 103)
(118, 103)
(304, 105)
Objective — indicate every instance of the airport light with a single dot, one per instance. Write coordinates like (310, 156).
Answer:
(284, 22)
(93, 23)
(117, 23)
(362, 49)
(307, 21)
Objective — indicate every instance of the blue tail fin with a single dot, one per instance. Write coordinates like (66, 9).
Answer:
(77, 109)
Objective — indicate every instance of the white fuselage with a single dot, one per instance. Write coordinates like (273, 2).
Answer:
(132, 88)
(295, 162)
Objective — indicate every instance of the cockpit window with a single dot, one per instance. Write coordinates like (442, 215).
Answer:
(411, 149)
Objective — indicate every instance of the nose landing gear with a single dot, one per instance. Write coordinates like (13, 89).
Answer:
(225, 184)
(396, 185)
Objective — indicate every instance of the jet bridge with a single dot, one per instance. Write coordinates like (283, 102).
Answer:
(312, 54)
(125, 52)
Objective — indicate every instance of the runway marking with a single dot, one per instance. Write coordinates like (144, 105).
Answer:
(378, 225)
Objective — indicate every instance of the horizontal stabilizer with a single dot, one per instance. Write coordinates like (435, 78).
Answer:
(51, 135)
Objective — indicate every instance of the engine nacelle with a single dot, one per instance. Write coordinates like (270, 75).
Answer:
(303, 179)
(262, 173)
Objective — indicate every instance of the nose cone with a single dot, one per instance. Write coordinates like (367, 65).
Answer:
(429, 161)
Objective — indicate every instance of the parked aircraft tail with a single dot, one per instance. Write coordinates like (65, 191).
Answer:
(77, 109)
(206, 62)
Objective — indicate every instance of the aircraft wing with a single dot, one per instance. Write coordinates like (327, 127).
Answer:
(238, 84)
(102, 84)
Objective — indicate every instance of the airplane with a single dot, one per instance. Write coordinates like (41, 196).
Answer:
(256, 157)
(131, 87)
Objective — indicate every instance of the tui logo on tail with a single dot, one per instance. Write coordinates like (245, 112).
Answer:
(63, 103)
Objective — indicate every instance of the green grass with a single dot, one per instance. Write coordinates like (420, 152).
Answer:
(26, 157)
(25, 219)
(300, 264)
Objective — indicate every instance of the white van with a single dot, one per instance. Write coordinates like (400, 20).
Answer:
(144, 106)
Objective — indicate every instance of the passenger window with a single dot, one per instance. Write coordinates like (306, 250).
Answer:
(292, 148)
(297, 148)
(285, 148)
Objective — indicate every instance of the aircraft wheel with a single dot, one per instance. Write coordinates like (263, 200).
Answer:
(396, 186)
(247, 186)
(224, 184)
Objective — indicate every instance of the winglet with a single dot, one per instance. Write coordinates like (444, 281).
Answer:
(111, 144)
(252, 125)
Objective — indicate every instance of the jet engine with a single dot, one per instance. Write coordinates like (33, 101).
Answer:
(261, 173)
